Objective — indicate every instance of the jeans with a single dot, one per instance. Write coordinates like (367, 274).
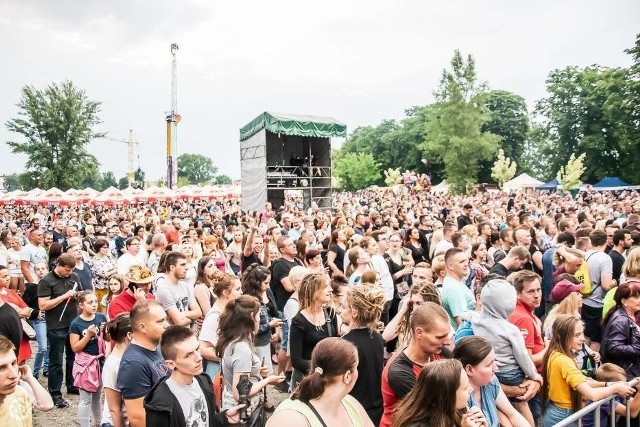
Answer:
(41, 360)
(90, 403)
(554, 414)
(59, 345)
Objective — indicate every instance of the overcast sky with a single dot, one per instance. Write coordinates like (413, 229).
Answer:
(357, 61)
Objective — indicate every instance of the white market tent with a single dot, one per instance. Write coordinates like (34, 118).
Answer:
(522, 182)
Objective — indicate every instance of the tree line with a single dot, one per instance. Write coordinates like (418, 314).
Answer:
(57, 125)
(593, 111)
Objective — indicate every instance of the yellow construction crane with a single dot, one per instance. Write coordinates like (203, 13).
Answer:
(131, 143)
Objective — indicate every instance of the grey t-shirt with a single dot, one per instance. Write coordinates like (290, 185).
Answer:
(192, 401)
(238, 357)
(178, 296)
(599, 263)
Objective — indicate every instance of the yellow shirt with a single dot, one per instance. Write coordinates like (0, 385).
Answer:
(15, 411)
(562, 375)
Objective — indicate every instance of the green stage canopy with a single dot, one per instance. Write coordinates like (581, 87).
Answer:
(293, 124)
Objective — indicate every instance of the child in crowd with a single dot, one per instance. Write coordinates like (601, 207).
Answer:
(85, 336)
(116, 286)
(609, 373)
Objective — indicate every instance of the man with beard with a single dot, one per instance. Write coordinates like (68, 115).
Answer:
(622, 241)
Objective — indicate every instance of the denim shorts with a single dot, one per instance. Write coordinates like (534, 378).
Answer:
(284, 338)
(553, 414)
(511, 377)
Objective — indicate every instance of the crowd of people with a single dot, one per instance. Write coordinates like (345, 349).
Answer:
(394, 307)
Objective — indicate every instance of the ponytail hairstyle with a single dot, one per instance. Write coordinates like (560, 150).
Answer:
(118, 329)
(81, 297)
(330, 360)
(222, 282)
(472, 350)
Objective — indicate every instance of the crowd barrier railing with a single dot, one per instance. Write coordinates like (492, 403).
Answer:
(595, 406)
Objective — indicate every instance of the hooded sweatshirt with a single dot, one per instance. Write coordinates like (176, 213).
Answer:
(498, 302)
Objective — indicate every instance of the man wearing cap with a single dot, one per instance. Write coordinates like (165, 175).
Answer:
(139, 278)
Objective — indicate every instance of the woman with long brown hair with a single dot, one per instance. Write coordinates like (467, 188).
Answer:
(564, 385)
(439, 399)
(322, 398)
(203, 289)
(238, 325)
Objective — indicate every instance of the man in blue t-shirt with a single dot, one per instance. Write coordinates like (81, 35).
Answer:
(142, 364)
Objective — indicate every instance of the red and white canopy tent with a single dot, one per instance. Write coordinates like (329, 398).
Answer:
(113, 196)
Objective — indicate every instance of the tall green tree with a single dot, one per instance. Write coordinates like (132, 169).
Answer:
(196, 168)
(57, 126)
(509, 120)
(223, 180)
(454, 125)
(356, 171)
(589, 111)
(108, 180)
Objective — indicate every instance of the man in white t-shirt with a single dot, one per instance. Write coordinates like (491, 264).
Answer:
(176, 297)
(187, 384)
(32, 254)
(132, 256)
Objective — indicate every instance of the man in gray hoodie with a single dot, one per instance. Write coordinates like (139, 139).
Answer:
(514, 364)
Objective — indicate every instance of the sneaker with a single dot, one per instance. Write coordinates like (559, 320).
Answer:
(60, 403)
(73, 390)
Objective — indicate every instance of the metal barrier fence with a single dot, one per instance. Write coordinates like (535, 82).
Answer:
(595, 406)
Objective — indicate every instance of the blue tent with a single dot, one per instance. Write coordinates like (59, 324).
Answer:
(549, 186)
(611, 183)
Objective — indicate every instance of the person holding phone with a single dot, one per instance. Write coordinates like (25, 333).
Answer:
(140, 279)
(255, 282)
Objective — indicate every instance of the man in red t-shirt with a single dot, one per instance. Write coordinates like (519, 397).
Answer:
(140, 279)
(529, 291)
(527, 284)
(430, 330)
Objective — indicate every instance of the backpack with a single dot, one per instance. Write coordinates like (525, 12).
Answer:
(582, 274)
(87, 373)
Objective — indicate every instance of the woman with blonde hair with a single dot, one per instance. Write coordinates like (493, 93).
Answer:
(361, 310)
(567, 260)
(312, 324)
